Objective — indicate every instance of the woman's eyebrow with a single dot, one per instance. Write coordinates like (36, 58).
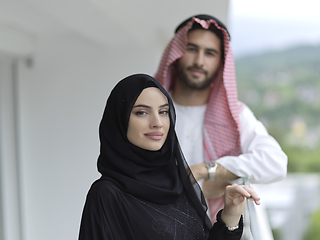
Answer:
(146, 106)
(141, 105)
(165, 105)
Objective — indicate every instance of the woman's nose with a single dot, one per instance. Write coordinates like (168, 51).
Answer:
(156, 121)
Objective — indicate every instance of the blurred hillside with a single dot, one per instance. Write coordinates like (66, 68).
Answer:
(282, 89)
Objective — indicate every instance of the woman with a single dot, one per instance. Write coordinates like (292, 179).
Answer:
(147, 190)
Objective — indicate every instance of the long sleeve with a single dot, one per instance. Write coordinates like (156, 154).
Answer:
(262, 159)
(219, 231)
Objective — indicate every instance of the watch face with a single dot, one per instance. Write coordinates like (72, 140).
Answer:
(210, 164)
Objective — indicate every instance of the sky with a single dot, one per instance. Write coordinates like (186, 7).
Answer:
(262, 25)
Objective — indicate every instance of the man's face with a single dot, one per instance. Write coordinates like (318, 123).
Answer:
(200, 62)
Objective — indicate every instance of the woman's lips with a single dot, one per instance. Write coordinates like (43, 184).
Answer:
(154, 135)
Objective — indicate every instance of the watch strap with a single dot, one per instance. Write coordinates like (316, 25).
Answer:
(212, 167)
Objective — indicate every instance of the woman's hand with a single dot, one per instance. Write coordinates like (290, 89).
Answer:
(235, 203)
(214, 189)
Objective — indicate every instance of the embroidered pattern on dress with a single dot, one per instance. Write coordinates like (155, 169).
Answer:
(177, 214)
(160, 226)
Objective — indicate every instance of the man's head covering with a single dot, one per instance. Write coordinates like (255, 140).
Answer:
(221, 123)
(156, 176)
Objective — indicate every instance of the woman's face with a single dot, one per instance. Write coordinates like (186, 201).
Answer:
(149, 120)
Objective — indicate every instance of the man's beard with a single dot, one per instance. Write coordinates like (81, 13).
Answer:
(184, 78)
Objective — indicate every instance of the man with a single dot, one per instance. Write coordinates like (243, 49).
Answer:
(220, 137)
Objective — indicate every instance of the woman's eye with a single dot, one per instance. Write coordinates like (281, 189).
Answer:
(140, 113)
(164, 112)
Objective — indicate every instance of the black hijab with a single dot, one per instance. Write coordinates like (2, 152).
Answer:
(156, 176)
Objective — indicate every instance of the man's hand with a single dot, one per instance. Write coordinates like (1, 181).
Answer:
(235, 203)
(200, 171)
(216, 188)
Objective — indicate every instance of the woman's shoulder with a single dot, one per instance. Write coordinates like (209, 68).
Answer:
(104, 189)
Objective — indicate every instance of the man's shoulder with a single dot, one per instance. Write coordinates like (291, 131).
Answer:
(246, 112)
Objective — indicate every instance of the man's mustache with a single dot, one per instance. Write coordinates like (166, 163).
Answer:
(197, 68)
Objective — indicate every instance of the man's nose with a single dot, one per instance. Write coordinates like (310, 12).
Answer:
(199, 59)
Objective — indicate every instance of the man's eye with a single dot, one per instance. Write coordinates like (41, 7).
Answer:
(191, 49)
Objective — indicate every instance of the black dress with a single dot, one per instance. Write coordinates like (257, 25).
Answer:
(110, 213)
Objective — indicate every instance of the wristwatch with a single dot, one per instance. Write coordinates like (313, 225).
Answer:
(212, 167)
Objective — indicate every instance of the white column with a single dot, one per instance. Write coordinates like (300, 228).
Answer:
(10, 211)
